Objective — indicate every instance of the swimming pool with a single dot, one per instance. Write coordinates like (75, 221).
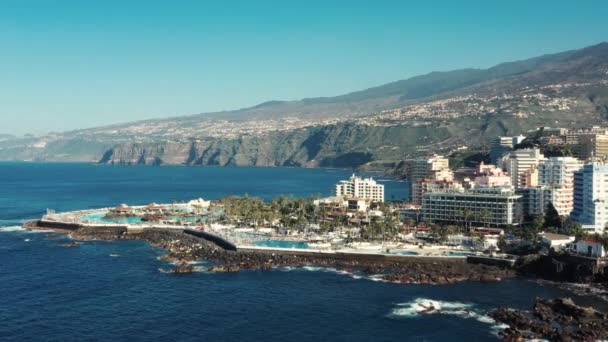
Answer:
(405, 252)
(99, 217)
(282, 244)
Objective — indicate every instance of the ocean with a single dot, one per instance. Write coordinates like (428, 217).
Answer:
(113, 291)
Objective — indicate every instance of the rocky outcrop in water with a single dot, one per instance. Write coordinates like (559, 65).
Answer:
(553, 320)
(564, 268)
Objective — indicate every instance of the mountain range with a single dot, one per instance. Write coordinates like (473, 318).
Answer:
(440, 112)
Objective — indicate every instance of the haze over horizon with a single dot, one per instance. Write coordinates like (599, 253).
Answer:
(69, 64)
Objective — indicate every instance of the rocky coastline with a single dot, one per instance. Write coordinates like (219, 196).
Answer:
(182, 249)
(553, 320)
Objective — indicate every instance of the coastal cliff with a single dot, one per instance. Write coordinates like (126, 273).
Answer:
(347, 145)
(440, 112)
(344, 145)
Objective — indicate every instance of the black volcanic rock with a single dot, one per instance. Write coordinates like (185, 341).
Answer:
(555, 320)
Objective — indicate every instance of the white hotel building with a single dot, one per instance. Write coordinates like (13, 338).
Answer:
(520, 164)
(556, 175)
(487, 207)
(591, 197)
(365, 188)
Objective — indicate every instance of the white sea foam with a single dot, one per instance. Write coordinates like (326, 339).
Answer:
(312, 268)
(425, 306)
(430, 306)
(21, 229)
(40, 231)
(12, 229)
(356, 276)
(27, 240)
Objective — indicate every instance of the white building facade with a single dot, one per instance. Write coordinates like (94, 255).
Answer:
(556, 174)
(590, 203)
(520, 164)
(365, 188)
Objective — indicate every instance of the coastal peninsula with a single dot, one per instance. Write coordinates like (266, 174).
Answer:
(203, 230)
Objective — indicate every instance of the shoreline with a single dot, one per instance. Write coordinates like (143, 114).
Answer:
(183, 249)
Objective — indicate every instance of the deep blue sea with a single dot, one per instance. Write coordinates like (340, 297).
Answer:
(112, 291)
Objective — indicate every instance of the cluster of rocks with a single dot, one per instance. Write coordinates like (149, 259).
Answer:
(445, 273)
(183, 247)
(153, 217)
(554, 320)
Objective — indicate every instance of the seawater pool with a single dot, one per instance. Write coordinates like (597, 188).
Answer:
(282, 244)
(98, 217)
(404, 252)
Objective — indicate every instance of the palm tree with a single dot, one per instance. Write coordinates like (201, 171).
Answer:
(466, 215)
(485, 215)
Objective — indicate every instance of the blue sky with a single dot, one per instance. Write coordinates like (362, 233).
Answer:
(76, 64)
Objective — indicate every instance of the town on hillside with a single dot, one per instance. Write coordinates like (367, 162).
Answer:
(542, 194)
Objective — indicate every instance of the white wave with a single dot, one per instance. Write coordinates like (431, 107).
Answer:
(356, 276)
(12, 229)
(40, 231)
(425, 306)
(286, 268)
(376, 277)
(430, 306)
(27, 240)
(312, 268)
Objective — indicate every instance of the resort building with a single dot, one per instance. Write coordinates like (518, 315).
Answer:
(522, 165)
(501, 146)
(556, 241)
(556, 174)
(490, 176)
(435, 168)
(558, 171)
(534, 200)
(199, 203)
(422, 186)
(590, 201)
(487, 207)
(582, 143)
(365, 188)
(351, 204)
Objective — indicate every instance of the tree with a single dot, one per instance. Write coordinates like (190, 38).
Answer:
(538, 223)
(574, 228)
(439, 233)
(485, 216)
(502, 243)
(552, 218)
(481, 239)
(466, 215)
